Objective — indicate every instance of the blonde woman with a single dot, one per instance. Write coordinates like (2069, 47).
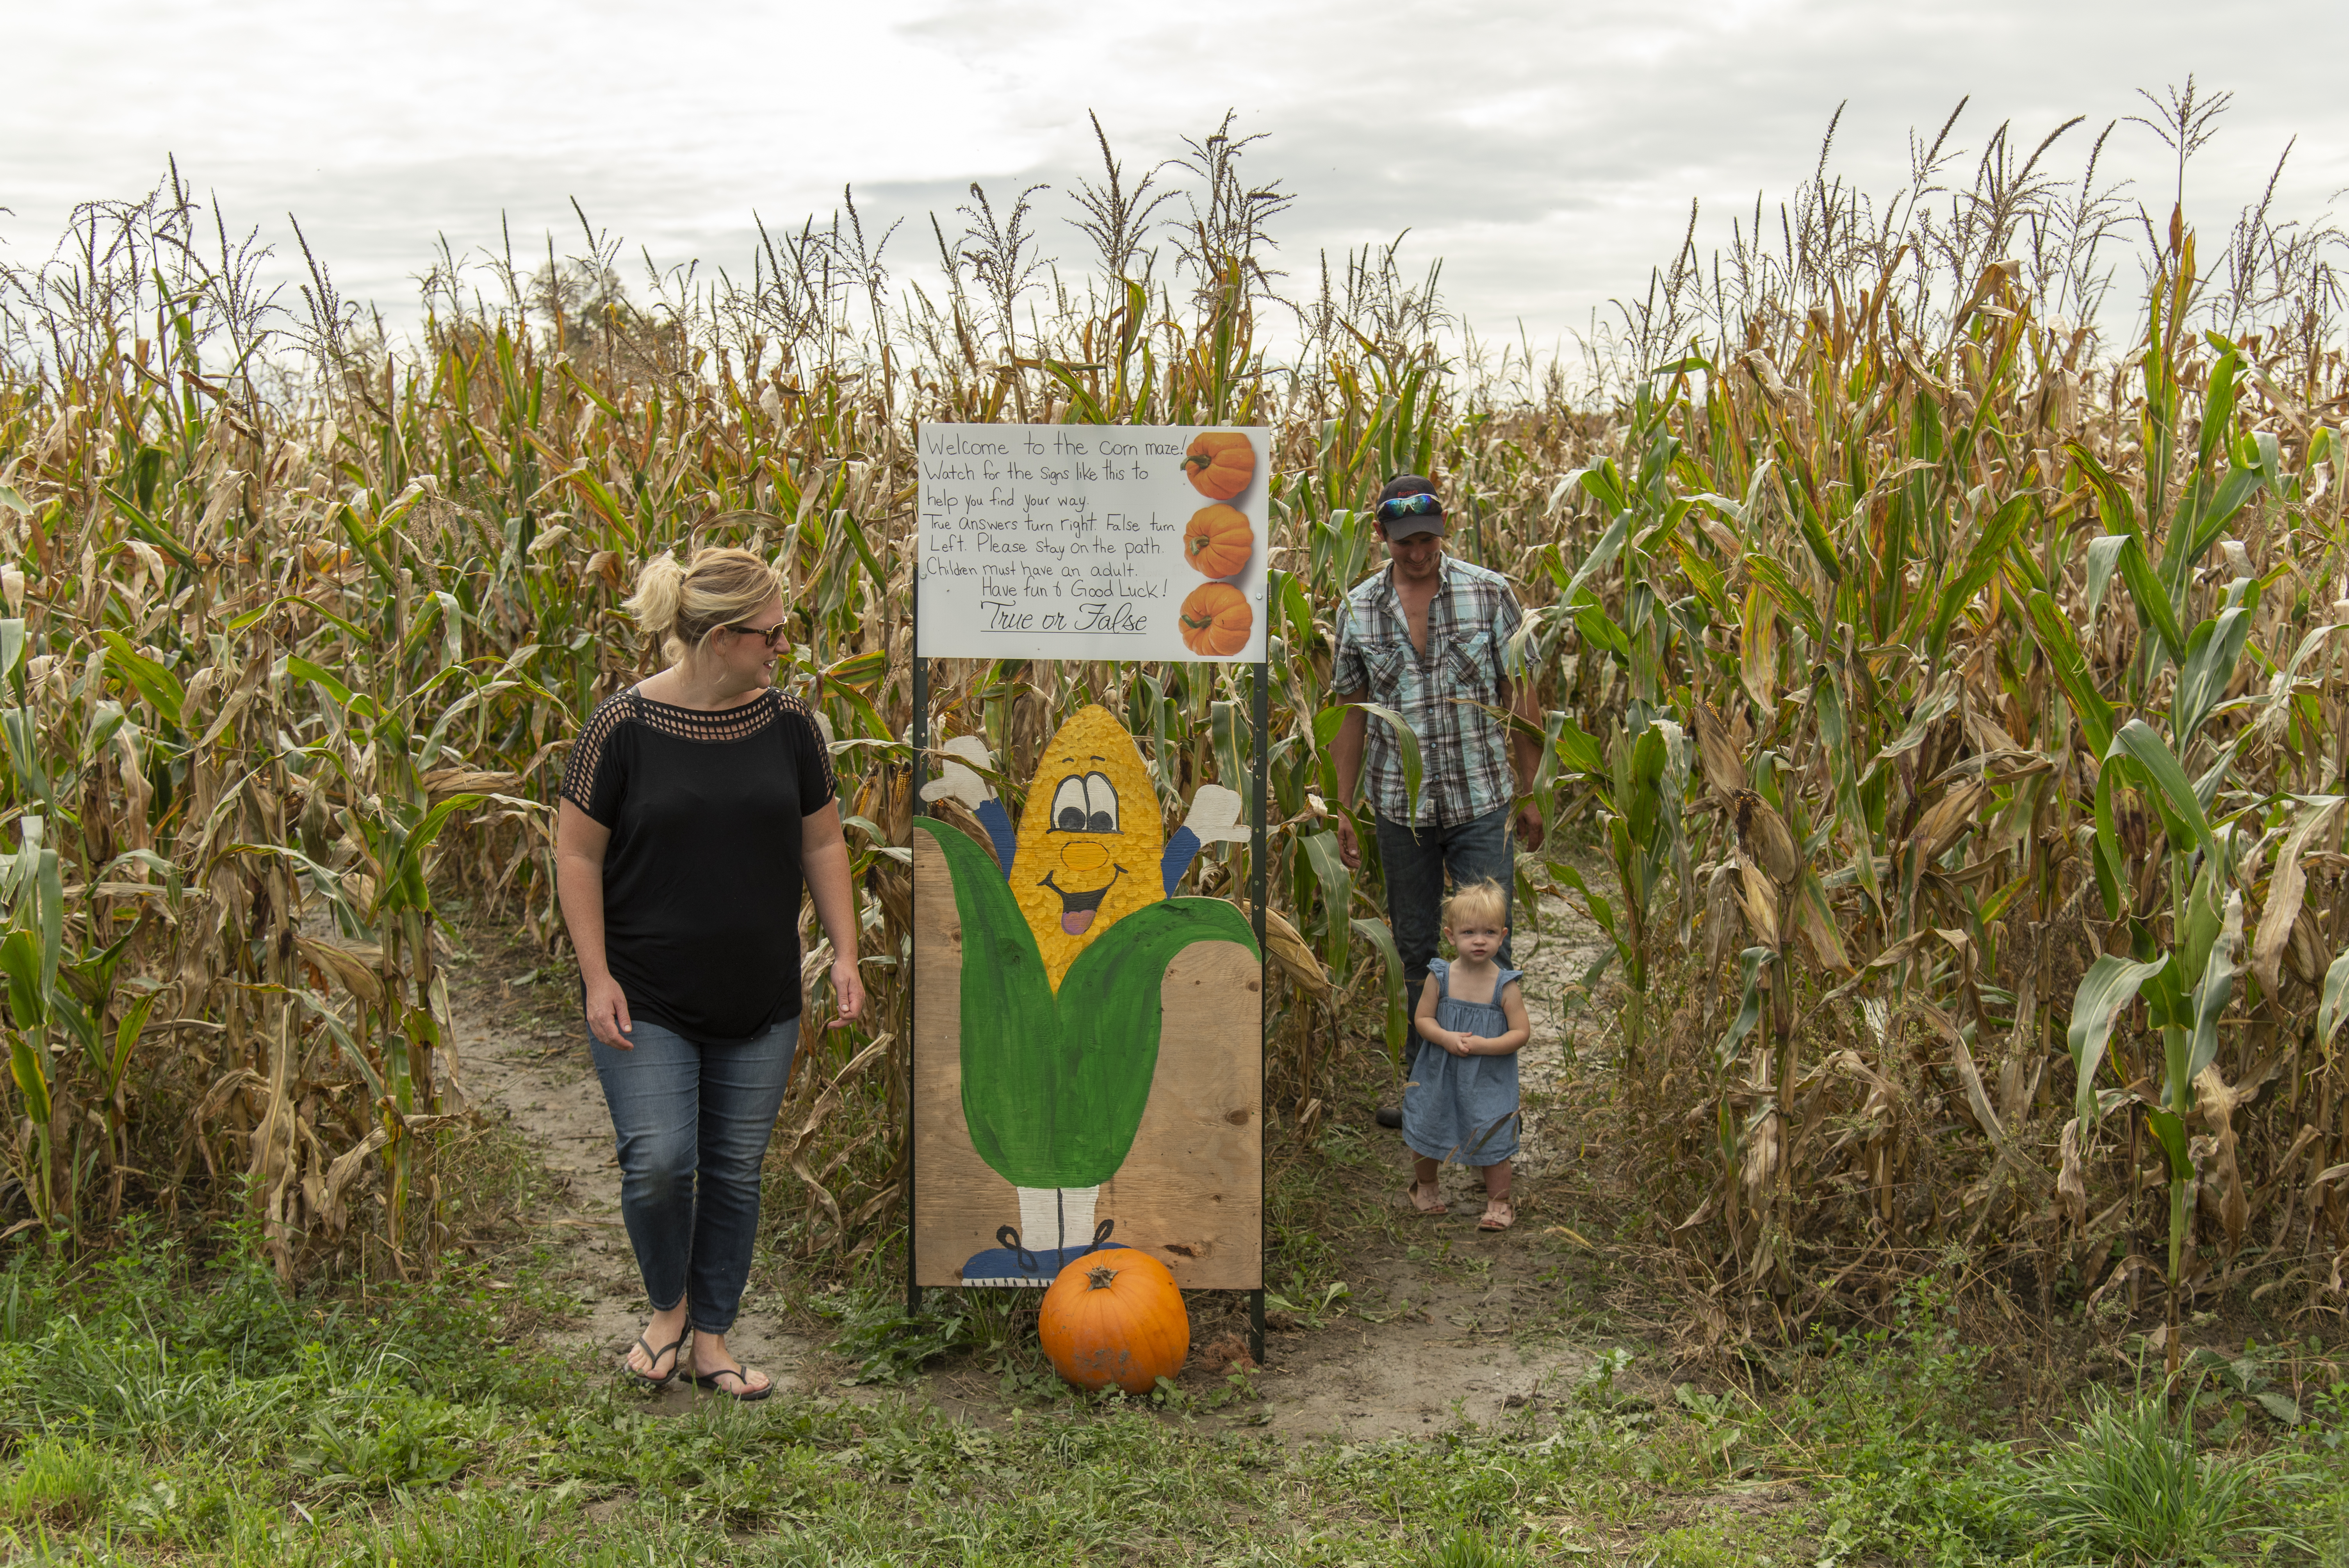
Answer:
(694, 805)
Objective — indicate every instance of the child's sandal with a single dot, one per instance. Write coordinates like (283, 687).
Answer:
(1499, 1215)
(1432, 1205)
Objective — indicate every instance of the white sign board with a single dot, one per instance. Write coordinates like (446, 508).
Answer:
(1092, 541)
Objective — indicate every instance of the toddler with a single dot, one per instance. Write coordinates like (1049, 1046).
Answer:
(1462, 1103)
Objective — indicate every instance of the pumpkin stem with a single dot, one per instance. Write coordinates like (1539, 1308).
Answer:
(1099, 1275)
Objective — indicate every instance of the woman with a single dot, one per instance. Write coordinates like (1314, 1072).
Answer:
(694, 805)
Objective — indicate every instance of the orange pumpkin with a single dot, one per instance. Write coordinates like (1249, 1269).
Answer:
(1115, 1316)
(1215, 620)
(1219, 464)
(1220, 541)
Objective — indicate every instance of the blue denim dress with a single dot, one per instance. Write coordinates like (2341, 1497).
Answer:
(1464, 1109)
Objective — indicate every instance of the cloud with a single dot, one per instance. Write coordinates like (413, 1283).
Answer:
(1547, 152)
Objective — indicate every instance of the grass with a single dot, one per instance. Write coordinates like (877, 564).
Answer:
(159, 1407)
(2134, 1486)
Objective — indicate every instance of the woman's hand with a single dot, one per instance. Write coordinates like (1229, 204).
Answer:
(607, 1012)
(848, 986)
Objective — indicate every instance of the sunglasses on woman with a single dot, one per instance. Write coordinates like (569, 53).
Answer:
(1395, 507)
(769, 635)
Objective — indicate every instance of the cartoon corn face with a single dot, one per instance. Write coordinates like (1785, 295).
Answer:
(1089, 840)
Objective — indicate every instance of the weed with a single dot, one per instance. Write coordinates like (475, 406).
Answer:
(2132, 1486)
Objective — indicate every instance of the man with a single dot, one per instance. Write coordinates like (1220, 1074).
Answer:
(1428, 637)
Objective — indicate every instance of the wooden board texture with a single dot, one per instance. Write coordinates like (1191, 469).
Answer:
(1191, 1192)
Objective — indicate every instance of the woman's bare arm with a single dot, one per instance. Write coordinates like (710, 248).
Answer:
(824, 861)
(580, 842)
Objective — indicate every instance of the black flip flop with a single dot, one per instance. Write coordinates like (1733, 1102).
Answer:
(674, 1350)
(748, 1396)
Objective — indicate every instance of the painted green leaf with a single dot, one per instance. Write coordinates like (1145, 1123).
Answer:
(1053, 1086)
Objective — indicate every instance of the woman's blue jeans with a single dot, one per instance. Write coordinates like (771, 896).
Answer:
(693, 1123)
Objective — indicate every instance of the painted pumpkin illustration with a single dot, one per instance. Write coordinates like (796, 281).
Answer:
(1220, 541)
(1219, 463)
(1215, 620)
(1067, 934)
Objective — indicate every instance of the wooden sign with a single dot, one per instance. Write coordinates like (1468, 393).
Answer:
(1088, 1043)
(1092, 541)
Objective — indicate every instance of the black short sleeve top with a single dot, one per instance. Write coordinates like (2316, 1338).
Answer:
(702, 877)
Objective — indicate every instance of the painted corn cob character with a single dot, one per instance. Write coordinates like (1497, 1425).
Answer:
(1067, 934)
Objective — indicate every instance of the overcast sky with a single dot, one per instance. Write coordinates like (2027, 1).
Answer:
(1547, 151)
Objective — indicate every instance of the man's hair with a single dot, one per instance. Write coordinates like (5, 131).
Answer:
(1483, 899)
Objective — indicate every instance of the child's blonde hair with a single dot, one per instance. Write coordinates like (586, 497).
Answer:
(1485, 900)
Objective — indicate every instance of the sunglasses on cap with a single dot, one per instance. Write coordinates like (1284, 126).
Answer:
(1396, 507)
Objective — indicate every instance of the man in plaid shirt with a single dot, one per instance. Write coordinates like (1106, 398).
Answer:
(1428, 637)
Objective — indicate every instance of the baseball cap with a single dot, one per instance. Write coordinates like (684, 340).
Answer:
(1408, 524)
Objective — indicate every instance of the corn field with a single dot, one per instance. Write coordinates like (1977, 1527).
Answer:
(1947, 721)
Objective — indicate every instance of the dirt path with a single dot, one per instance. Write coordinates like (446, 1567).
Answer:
(1438, 1322)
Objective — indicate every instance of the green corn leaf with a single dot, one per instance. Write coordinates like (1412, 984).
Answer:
(2103, 555)
(1399, 999)
(1602, 913)
(151, 680)
(1598, 627)
(303, 669)
(2208, 667)
(2218, 401)
(2212, 991)
(29, 999)
(2109, 985)
(1326, 724)
(1749, 965)
(2113, 498)
(1337, 900)
(2063, 651)
(1788, 592)
(25, 1066)
(1579, 751)
(2173, 793)
(126, 1037)
(2169, 1131)
(1982, 564)
(2334, 1004)
(2153, 601)
(1407, 742)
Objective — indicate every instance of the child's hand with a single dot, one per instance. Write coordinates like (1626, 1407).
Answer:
(1467, 1044)
(1458, 1044)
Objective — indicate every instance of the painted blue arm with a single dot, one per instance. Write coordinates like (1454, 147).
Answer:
(997, 823)
(1182, 848)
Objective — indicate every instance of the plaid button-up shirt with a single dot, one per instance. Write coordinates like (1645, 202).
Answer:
(1463, 751)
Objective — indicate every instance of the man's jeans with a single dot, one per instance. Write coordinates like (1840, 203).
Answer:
(693, 1123)
(1415, 860)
